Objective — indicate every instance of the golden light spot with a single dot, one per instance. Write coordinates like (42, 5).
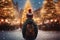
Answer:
(2, 20)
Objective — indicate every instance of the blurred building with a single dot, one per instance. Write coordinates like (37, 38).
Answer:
(37, 12)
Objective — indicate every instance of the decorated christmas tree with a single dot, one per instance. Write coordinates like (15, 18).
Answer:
(7, 11)
(48, 10)
(26, 8)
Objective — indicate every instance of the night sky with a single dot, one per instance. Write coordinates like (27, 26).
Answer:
(35, 3)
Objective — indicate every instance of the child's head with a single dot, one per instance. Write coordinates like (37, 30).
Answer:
(29, 10)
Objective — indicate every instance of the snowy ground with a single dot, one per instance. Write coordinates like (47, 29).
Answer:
(17, 35)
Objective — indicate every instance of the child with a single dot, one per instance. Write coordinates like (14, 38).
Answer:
(29, 14)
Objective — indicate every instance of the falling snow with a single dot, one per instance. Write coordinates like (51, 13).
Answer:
(39, 2)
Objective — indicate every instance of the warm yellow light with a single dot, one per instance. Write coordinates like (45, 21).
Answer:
(16, 21)
(55, 20)
(5, 8)
(41, 23)
(6, 20)
(12, 15)
(3, 0)
(6, 2)
(47, 21)
(45, 2)
(51, 20)
(2, 20)
(43, 11)
(10, 0)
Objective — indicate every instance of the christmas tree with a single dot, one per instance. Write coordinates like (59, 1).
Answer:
(48, 10)
(7, 11)
(26, 8)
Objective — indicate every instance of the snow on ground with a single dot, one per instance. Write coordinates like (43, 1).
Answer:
(17, 35)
